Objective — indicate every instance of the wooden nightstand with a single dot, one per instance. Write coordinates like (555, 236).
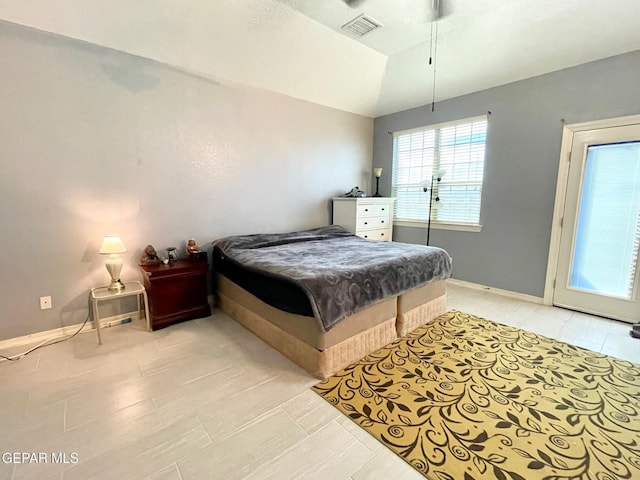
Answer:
(177, 291)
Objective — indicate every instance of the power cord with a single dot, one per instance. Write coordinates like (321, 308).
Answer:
(50, 341)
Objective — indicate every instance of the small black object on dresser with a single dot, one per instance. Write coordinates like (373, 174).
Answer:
(199, 256)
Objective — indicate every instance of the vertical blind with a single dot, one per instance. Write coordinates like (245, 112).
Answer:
(607, 238)
(458, 149)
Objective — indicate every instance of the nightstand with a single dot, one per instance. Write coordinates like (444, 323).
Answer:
(100, 294)
(177, 291)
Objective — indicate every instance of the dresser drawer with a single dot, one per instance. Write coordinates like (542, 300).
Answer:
(373, 210)
(371, 223)
(383, 234)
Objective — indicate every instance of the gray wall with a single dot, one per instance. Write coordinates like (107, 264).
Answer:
(523, 147)
(93, 141)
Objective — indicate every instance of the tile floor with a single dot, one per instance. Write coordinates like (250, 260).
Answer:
(206, 399)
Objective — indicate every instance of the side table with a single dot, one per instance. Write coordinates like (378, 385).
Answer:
(177, 291)
(100, 294)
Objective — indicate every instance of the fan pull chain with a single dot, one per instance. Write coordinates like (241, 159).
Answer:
(431, 45)
(433, 48)
(435, 58)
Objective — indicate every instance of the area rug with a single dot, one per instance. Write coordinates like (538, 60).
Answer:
(466, 398)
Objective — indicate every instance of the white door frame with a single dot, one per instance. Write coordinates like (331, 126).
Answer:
(568, 132)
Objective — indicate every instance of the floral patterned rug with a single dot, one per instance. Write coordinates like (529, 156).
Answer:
(466, 398)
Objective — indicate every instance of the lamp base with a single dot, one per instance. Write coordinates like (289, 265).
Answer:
(377, 194)
(116, 286)
(114, 266)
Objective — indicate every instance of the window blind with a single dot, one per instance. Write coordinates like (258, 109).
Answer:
(605, 250)
(458, 149)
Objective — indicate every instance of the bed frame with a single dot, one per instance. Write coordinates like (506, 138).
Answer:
(320, 353)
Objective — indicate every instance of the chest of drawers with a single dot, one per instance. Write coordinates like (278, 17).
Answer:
(177, 291)
(370, 217)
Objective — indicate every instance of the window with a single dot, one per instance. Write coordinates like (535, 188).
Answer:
(457, 148)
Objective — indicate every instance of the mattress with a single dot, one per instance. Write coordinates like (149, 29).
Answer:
(338, 272)
(299, 338)
(304, 327)
(420, 306)
(277, 292)
(274, 285)
(321, 353)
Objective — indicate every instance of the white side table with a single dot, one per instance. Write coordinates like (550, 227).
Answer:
(99, 294)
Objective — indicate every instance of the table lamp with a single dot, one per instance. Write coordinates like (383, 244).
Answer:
(377, 172)
(113, 246)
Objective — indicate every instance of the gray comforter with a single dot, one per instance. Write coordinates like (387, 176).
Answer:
(339, 272)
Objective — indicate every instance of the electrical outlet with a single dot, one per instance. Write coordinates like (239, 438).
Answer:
(45, 303)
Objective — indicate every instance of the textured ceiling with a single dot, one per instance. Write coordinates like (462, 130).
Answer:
(296, 47)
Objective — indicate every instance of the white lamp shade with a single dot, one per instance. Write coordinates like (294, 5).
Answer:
(112, 245)
(377, 172)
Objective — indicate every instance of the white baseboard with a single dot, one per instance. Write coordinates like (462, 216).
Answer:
(39, 337)
(498, 291)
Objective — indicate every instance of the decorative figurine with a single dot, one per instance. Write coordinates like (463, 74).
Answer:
(172, 254)
(149, 256)
(194, 253)
(192, 247)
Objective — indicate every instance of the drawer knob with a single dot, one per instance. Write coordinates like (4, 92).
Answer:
(366, 209)
(366, 223)
(382, 234)
(382, 221)
(383, 209)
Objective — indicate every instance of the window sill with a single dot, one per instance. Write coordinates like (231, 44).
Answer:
(461, 227)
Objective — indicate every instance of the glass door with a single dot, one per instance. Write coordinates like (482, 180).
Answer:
(598, 262)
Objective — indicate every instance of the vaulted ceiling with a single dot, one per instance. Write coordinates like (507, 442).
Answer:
(296, 47)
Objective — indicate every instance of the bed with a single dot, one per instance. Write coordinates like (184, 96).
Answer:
(324, 297)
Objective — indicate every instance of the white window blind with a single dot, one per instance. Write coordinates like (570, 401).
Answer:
(607, 237)
(458, 149)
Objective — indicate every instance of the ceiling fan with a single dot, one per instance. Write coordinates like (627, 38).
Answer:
(426, 11)
(353, 3)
